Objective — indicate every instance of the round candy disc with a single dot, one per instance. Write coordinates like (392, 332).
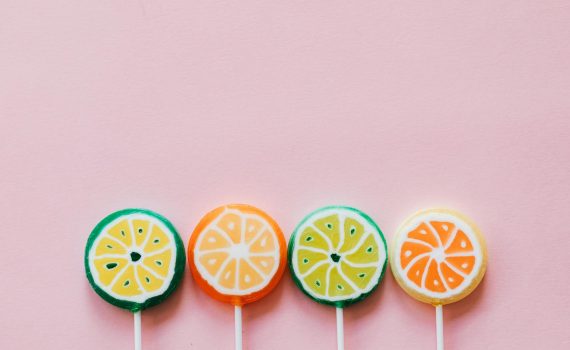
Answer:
(134, 259)
(439, 256)
(337, 255)
(237, 254)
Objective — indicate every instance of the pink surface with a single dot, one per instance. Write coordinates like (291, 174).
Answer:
(180, 106)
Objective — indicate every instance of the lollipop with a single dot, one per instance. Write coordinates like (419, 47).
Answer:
(237, 255)
(337, 256)
(439, 257)
(134, 259)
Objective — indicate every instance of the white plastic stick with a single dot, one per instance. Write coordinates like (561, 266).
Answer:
(339, 329)
(138, 342)
(238, 327)
(439, 326)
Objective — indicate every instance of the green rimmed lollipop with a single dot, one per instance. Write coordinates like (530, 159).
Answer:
(134, 259)
(337, 256)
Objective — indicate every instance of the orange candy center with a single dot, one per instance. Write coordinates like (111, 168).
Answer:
(437, 255)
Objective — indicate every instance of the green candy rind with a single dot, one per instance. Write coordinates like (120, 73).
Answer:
(180, 262)
(338, 303)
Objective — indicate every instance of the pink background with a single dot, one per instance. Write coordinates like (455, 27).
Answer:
(180, 106)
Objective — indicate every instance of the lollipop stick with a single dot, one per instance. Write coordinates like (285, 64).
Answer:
(138, 342)
(439, 326)
(339, 329)
(238, 327)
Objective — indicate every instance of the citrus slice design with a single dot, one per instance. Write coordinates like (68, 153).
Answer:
(337, 255)
(439, 256)
(134, 259)
(237, 254)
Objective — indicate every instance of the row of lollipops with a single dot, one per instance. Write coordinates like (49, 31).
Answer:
(337, 255)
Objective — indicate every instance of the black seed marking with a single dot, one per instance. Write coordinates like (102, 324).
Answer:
(156, 241)
(309, 238)
(140, 230)
(305, 261)
(135, 256)
(111, 266)
(109, 246)
(352, 231)
(158, 262)
(335, 257)
(339, 287)
(127, 282)
(369, 250)
(147, 279)
(318, 283)
(329, 226)
(123, 233)
(361, 275)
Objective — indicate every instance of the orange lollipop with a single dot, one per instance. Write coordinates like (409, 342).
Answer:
(439, 257)
(237, 255)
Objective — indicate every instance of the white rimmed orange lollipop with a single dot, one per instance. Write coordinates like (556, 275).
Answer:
(438, 257)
